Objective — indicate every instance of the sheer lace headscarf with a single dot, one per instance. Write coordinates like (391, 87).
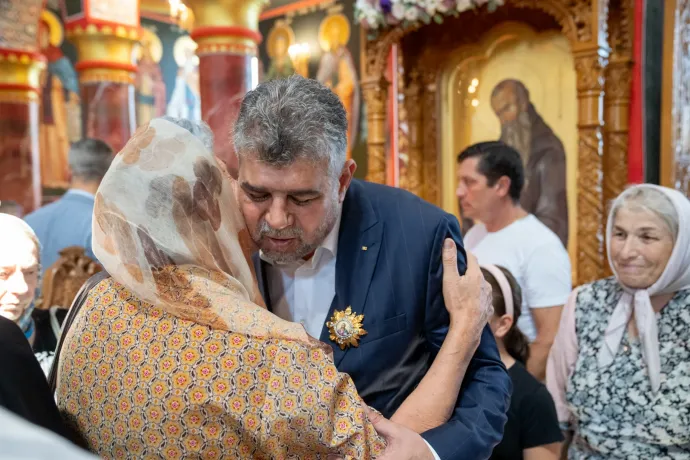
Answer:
(168, 227)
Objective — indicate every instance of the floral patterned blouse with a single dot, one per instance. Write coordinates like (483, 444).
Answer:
(613, 410)
(139, 383)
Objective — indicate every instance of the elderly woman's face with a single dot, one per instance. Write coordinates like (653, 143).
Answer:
(18, 275)
(641, 245)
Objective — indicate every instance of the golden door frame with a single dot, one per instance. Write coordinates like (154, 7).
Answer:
(675, 157)
(601, 43)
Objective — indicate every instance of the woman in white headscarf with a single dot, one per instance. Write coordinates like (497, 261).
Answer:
(619, 370)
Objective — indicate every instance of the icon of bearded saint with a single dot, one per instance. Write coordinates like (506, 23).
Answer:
(543, 155)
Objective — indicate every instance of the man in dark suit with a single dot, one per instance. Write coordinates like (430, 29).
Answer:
(333, 248)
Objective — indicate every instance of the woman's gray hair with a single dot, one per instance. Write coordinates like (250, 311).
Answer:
(293, 118)
(199, 128)
(651, 200)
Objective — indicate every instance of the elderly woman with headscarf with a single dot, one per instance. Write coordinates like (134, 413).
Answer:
(619, 370)
(175, 354)
(23, 386)
(19, 279)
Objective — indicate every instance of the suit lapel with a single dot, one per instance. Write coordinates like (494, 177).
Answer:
(359, 243)
(262, 279)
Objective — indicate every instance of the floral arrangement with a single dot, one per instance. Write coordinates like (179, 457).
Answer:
(379, 14)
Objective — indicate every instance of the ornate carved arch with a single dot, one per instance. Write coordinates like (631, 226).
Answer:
(585, 23)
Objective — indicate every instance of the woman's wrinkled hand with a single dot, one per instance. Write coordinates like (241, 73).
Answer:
(468, 297)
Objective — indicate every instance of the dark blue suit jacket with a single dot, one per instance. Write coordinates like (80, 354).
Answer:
(396, 283)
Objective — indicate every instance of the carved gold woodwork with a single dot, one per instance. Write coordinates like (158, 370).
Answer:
(413, 93)
(63, 279)
(375, 97)
(403, 126)
(617, 102)
(602, 169)
(430, 148)
(675, 107)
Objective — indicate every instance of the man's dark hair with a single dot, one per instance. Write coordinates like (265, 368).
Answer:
(497, 159)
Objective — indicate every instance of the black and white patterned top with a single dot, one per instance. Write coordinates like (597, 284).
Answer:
(614, 412)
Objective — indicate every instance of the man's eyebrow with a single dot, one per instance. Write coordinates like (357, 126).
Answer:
(253, 188)
(296, 193)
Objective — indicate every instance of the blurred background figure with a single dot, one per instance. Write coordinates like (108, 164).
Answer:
(532, 431)
(67, 222)
(491, 179)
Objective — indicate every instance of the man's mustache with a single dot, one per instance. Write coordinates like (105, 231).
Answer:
(266, 230)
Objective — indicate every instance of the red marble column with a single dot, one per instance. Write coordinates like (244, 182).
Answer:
(224, 79)
(108, 112)
(20, 170)
(20, 164)
(106, 78)
(226, 32)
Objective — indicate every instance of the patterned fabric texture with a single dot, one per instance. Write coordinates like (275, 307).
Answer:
(615, 413)
(176, 355)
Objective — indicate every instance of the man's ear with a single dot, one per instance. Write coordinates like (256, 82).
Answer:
(345, 178)
(503, 186)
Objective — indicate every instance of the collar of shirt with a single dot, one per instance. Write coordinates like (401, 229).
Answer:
(327, 250)
(74, 191)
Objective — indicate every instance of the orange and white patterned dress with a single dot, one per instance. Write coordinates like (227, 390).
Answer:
(137, 382)
(176, 355)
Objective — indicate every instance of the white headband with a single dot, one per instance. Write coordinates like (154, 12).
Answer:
(503, 283)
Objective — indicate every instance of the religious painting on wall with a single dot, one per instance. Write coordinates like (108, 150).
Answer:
(60, 107)
(185, 100)
(320, 42)
(149, 83)
(278, 44)
(518, 87)
(337, 70)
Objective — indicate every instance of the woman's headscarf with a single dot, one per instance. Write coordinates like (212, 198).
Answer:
(675, 277)
(15, 227)
(168, 227)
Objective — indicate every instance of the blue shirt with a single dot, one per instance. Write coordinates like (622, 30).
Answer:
(64, 223)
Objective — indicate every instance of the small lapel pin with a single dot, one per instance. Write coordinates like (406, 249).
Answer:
(364, 248)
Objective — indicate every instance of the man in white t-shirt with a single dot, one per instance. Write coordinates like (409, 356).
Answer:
(490, 179)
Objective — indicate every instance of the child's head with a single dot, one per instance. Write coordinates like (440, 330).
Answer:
(507, 299)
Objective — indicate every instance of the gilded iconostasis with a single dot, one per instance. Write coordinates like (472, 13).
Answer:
(322, 42)
(166, 83)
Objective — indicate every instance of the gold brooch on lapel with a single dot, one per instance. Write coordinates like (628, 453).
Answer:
(346, 328)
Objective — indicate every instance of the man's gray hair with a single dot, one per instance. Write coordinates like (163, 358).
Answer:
(293, 118)
(200, 129)
(651, 200)
(89, 159)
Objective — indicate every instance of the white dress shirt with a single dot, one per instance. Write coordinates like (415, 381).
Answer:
(304, 290)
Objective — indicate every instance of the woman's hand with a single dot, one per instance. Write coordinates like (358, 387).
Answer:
(468, 297)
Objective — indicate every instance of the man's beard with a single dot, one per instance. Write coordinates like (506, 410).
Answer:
(518, 135)
(304, 248)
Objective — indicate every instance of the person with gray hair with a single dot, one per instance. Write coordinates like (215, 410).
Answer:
(360, 266)
(67, 221)
(618, 370)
